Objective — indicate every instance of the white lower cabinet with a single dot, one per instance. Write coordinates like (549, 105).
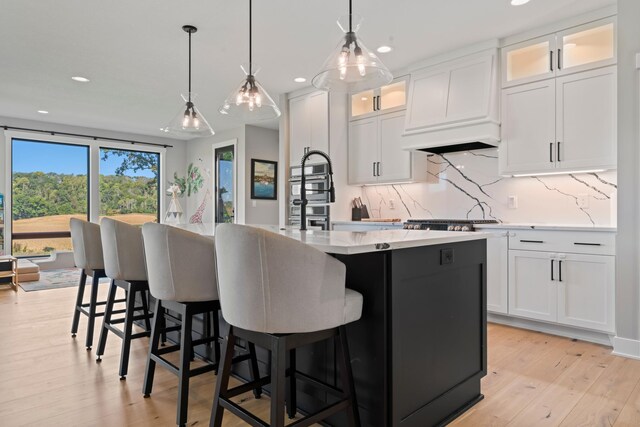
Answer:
(497, 276)
(532, 292)
(586, 289)
(568, 289)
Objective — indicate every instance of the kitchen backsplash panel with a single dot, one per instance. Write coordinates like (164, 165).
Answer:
(467, 185)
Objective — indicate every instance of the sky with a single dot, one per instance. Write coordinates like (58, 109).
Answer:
(31, 156)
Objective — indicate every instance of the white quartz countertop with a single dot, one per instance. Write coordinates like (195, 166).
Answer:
(559, 227)
(357, 242)
(369, 222)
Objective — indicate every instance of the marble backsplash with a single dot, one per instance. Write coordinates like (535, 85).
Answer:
(467, 185)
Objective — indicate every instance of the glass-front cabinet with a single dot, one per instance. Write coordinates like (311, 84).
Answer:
(392, 97)
(581, 48)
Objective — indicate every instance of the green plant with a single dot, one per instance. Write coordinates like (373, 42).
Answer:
(191, 183)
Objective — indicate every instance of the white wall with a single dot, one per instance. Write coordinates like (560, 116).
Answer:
(627, 266)
(467, 185)
(200, 153)
(262, 144)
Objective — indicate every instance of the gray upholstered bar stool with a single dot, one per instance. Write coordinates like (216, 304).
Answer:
(87, 254)
(182, 278)
(281, 294)
(124, 264)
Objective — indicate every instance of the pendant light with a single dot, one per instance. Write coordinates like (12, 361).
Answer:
(250, 101)
(351, 67)
(189, 121)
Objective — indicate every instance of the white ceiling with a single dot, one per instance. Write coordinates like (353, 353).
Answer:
(135, 52)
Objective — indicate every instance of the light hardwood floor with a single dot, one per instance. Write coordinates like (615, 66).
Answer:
(49, 379)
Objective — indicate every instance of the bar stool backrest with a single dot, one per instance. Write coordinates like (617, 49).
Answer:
(180, 264)
(273, 284)
(87, 244)
(123, 250)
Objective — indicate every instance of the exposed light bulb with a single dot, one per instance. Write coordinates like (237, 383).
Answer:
(185, 121)
(344, 56)
(196, 122)
(239, 98)
(258, 100)
(343, 73)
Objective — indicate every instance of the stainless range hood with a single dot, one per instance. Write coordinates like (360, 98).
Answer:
(453, 104)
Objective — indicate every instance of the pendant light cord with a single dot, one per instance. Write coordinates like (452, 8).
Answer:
(350, 15)
(189, 66)
(250, 39)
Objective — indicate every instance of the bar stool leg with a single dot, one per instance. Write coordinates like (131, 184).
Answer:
(216, 342)
(278, 368)
(186, 352)
(255, 372)
(144, 296)
(158, 324)
(92, 309)
(106, 320)
(222, 382)
(292, 401)
(79, 298)
(346, 377)
(128, 326)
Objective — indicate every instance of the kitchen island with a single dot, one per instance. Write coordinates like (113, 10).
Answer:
(419, 350)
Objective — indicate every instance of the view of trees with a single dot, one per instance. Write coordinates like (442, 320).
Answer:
(37, 194)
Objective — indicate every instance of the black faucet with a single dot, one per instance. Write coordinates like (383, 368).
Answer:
(302, 202)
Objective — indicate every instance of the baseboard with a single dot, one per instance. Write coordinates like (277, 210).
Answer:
(626, 347)
(548, 328)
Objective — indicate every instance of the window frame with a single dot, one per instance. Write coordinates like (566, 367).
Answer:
(93, 174)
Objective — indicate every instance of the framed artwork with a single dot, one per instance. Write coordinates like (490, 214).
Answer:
(264, 179)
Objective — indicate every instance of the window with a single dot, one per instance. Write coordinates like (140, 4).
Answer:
(50, 184)
(129, 185)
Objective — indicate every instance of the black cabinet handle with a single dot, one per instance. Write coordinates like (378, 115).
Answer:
(560, 271)
(587, 244)
(558, 156)
(550, 60)
(378, 168)
(531, 241)
(379, 107)
(552, 279)
(374, 103)
(374, 168)
(559, 59)
(551, 152)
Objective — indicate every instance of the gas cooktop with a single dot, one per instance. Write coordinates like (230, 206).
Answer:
(446, 224)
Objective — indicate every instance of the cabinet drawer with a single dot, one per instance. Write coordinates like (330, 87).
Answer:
(580, 242)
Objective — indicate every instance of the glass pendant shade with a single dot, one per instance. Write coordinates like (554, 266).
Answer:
(250, 101)
(189, 122)
(351, 67)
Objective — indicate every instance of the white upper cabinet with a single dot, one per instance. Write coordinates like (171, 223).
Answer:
(563, 124)
(581, 48)
(454, 91)
(529, 61)
(376, 155)
(308, 125)
(587, 46)
(386, 99)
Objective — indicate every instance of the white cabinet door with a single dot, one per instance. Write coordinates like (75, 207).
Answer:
(395, 163)
(586, 291)
(319, 119)
(497, 273)
(587, 46)
(529, 61)
(587, 119)
(532, 292)
(528, 128)
(364, 151)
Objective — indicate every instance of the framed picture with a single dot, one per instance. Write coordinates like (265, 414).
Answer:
(264, 179)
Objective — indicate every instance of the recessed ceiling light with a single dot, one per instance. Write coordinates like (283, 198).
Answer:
(299, 80)
(519, 2)
(80, 79)
(43, 112)
(384, 49)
